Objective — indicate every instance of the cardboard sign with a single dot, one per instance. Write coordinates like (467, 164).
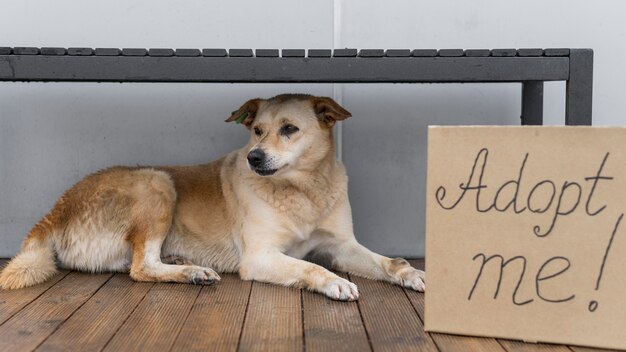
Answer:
(525, 236)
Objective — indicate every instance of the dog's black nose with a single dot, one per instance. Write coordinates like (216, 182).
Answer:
(256, 157)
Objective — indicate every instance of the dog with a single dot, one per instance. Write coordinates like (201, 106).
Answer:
(257, 211)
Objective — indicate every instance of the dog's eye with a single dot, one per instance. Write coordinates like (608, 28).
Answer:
(258, 131)
(288, 129)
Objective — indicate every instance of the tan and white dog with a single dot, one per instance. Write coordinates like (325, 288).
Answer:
(256, 211)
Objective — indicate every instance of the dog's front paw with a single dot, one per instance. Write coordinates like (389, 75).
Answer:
(341, 290)
(201, 276)
(413, 279)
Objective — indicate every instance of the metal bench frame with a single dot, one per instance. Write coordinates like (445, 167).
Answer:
(531, 67)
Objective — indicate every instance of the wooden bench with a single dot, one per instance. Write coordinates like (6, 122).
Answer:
(531, 67)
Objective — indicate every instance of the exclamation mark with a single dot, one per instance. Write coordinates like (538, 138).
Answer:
(593, 305)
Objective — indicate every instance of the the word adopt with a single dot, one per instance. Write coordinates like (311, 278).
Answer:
(525, 236)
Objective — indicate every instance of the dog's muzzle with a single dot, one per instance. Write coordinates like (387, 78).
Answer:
(257, 159)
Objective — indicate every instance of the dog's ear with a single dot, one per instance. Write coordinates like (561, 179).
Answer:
(328, 111)
(246, 113)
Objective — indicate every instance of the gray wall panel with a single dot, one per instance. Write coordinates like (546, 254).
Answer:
(384, 149)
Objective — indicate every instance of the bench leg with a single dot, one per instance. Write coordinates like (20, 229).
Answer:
(532, 103)
(579, 87)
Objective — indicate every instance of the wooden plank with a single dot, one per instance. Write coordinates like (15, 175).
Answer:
(389, 318)
(274, 319)
(93, 324)
(33, 324)
(12, 301)
(156, 321)
(447, 342)
(519, 346)
(589, 349)
(331, 325)
(216, 318)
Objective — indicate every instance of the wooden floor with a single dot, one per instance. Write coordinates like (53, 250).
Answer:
(109, 312)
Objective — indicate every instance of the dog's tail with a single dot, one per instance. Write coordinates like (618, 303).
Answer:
(35, 263)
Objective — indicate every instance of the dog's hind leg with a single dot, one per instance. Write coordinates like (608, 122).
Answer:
(152, 216)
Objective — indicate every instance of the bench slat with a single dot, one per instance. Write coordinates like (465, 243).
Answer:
(293, 52)
(25, 51)
(556, 52)
(108, 52)
(530, 52)
(134, 52)
(187, 52)
(240, 53)
(214, 52)
(345, 52)
(80, 51)
(398, 52)
(450, 52)
(477, 52)
(160, 52)
(503, 52)
(372, 53)
(320, 53)
(268, 69)
(424, 52)
(53, 51)
(267, 53)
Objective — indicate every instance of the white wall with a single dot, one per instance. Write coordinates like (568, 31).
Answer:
(51, 134)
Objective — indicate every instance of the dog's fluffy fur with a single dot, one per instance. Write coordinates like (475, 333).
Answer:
(256, 211)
